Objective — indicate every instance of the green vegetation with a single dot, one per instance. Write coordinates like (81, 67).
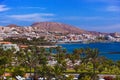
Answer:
(84, 61)
(33, 41)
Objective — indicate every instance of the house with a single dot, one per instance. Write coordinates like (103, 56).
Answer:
(9, 45)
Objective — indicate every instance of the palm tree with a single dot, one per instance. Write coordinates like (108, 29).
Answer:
(76, 68)
(77, 53)
(118, 65)
(93, 56)
(109, 65)
(32, 57)
(6, 58)
(27, 57)
(51, 50)
(45, 71)
(57, 71)
(61, 65)
(102, 64)
(22, 60)
(3, 61)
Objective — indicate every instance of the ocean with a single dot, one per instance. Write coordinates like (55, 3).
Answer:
(105, 49)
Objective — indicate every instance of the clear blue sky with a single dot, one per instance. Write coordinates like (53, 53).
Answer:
(94, 15)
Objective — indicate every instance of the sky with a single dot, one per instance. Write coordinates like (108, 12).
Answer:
(91, 15)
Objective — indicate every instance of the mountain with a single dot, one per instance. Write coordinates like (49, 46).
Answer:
(53, 27)
(56, 27)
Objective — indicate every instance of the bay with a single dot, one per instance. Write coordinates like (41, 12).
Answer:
(105, 48)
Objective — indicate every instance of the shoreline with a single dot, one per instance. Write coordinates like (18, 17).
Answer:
(48, 46)
(87, 42)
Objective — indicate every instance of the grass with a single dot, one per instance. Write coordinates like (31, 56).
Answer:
(106, 71)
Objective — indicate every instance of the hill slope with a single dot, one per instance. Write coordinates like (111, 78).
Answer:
(56, 27)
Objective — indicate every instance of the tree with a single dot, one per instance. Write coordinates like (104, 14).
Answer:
(90, 55)
(28, 57)
(61, 65)
(70, 77)
(77, 53)
(45, 71)
(3, 62)
(18, 71)
(76, 68)
(84, 76)
(58, 71)
(118, 64)
(109, 65)
(93, 56)
(6, 58)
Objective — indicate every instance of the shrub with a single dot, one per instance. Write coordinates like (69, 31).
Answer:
(108, 78)
(117, 78)
(18, 71)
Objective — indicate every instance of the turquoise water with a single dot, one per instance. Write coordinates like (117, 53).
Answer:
(104, 48)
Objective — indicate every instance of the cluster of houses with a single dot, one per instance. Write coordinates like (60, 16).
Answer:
(73, 38)
(30, 32)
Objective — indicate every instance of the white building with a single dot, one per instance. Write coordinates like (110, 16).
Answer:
(10, 46)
